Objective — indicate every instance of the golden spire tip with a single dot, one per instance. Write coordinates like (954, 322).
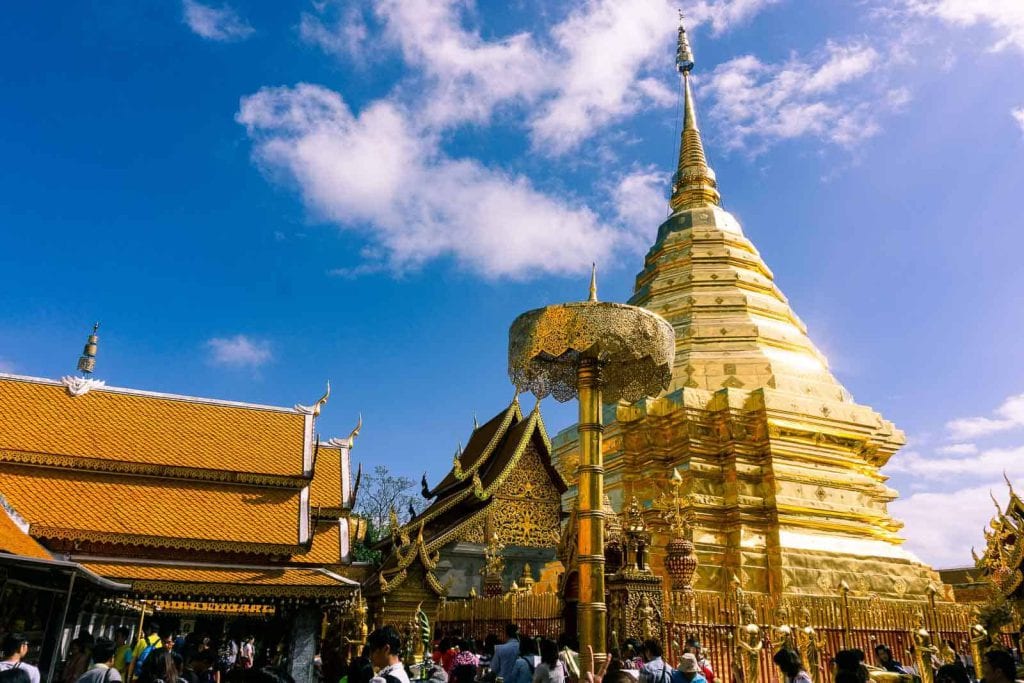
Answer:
(87, 361)
(593, 282)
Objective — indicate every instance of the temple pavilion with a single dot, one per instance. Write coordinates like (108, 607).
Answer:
(190, 508)
(781, 466)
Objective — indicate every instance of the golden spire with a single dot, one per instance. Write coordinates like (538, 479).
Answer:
(87, 361)
(694, 183)
(593, 282)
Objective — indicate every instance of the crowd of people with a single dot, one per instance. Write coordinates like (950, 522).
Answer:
(159, 656)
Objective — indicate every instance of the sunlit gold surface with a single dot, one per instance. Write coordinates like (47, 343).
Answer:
(781, 467)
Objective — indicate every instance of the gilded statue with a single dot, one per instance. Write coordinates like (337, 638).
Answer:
(646, 614)
(811, 645)
(979, 641)
(924, 651)
(783, 631)
(749, 643)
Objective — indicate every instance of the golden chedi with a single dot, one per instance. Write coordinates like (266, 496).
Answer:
(780, 466)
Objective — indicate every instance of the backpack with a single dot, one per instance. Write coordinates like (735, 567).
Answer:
(529, 664)
(145, 653)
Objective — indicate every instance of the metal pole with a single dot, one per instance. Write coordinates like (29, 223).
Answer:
(60, 631)
(591, 609)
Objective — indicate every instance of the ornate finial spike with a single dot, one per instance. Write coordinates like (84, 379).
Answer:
(694, 183)
(684, 55)
(593, 282)
(315, 409)
(995, 502)
(87, 361)
(675, 475)
(476, 423)
(1009, 484)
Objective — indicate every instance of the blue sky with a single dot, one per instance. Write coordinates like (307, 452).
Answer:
(256, 197)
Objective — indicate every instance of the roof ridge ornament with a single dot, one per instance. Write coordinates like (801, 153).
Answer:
(79, 386)
(350, 440)
(315, 409)
(593, 282)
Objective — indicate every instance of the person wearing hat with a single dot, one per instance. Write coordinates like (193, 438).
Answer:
(689, 670)
(693, 645)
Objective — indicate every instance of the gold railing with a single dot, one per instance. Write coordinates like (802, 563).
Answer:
(535, 613)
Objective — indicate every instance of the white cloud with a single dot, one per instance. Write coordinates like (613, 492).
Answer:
(379, 171)
(347, 37)
(603, 62)
(958, 449)
(1009, 415)
(640, 203)
(1018, 116)
(941, 527)
(222, 24)
(835, 95)
(988, 463)
(239, 351)
(1005, 17)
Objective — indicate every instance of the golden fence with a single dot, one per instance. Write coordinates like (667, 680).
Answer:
(856, 622)
(535, 613)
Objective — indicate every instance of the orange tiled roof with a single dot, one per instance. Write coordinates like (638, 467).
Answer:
(326, 545)
(127, 426)
(325, 489)
(168, 580)
(15, 541)
(145, 511)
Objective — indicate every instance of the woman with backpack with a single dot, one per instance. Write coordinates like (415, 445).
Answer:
(525, 664)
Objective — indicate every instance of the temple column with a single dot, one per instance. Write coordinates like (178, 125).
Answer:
(591, 607)
(302, 648)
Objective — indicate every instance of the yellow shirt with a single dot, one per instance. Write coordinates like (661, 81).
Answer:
(143, 643)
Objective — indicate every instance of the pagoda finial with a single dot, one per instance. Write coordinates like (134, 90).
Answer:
(87, 361)
(593, 282)
(694, 183)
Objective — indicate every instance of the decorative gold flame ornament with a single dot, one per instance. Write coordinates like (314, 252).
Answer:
(602, 353)
(87, 361)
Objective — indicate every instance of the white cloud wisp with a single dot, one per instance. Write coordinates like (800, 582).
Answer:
(1005, 17)
(222, 24)
(1009, 415)
(377, 171)
(827, 96)
(239, 351)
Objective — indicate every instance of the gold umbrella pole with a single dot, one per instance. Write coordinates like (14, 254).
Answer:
(591, 609)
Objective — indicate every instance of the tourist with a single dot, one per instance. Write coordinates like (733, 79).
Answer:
(163, 667)
(204, 664)
(466, 656)
(103, 669)
(568, 654)
(791, 666)
(15, 649)
(997, 666)
(632, 654)
(148, 641)
(17, 675)
(849, 667)
(693, 646)
(654, 670)
(506, 654)
(78, 660)
(883, 655)
(488, 650)
(228, 655)
(122, 652)
(153, 664)
(550, 669)
(952, 673)
(463, 673)
(384, 645)
(525, 664)
(689, 670)
(360, 670)
(247, 652)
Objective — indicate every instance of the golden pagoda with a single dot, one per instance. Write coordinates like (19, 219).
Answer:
(780, 466)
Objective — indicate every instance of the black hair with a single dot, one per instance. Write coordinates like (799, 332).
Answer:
(15, 675)
(360, 670)
(882, 647)
(464, 673)
(165, 633)
(549, 652)
(954, 673)
(652, 647)
(789, 661)
(13, 642)
(619, 676)
(103, 650)
(847, 676)
(152, 627)
(1002, 661)
(385, 635)
(266, 675)
(511, 630)
(122, 631)
(527, 646)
